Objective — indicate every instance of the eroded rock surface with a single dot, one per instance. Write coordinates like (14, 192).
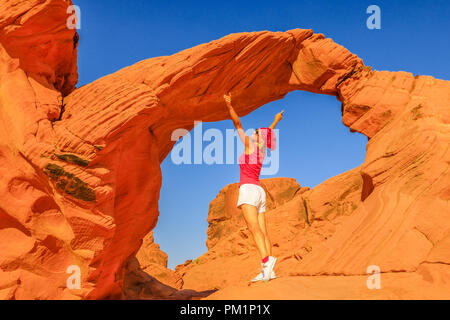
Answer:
(80, 169)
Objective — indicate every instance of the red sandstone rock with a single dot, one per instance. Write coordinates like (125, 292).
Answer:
(149, 252)
(296, 222)
(224, 217)
(139, 285)
(299, 230)
(84, 190)
(35, 33)
(396, 286)
(153, 261)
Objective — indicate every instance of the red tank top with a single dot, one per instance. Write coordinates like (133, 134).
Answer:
(250, 166)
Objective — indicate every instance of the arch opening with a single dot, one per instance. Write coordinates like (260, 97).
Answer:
(314, 146)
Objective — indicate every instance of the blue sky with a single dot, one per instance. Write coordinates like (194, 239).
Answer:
(414, 37)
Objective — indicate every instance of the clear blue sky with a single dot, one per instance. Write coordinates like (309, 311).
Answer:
(414, 37)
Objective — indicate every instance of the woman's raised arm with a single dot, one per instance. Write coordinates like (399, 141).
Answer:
(236, 121)
(278, 118)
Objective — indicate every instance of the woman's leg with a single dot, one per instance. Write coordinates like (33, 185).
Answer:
(251, 217)
(262, 225)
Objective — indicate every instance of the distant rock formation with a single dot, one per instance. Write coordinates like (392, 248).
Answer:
(147, 277)
(225, 218)
(153, 261)
(298, 219)
(300, 222)
(80, 168)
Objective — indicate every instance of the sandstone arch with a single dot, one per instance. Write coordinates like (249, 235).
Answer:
(94, 169)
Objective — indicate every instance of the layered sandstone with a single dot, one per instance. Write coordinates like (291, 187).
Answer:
(80, 169)
(298, 219)
(224, 217)
(153, 261)
(299, 230)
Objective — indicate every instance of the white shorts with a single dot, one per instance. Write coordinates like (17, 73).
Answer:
(254, 195)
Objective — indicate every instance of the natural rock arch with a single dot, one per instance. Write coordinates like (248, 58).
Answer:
(82, 187)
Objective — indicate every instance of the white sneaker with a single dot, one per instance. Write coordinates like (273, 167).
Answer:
(268, 268)
(260, 276)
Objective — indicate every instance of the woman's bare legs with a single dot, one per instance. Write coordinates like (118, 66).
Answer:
(251, 217)
(262, 225)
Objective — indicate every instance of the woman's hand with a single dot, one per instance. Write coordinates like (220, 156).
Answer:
(236, 121)
(233, 114)
(227, 98)
(279, 116)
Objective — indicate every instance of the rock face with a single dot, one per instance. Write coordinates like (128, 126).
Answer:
(153, 261)
(35, 32)
(224, 217)
(80, 169)
(300, 227)
(297, 220)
